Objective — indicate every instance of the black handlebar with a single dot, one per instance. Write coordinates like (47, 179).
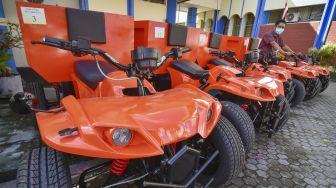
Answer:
(79, 49)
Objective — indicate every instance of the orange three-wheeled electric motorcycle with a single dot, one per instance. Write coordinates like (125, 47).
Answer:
(294, 89)
(301, 61)
(308, 75)
(222, 82)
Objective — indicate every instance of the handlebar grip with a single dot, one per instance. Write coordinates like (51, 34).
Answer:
(54, 40)
(186, 49)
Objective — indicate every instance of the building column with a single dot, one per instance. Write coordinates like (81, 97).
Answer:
(192, 15)
(171, 11)
(261, 18)
(130, 7)
(214, 23)
(220, 25)
(323, 29)
(241, 28)
(11, 62)
(84, 4)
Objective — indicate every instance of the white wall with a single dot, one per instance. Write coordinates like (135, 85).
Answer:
(212, 4)
(236, 7)
(149, 11)
(280, 4)
(111, 6)
(251, 6)
(224, 10)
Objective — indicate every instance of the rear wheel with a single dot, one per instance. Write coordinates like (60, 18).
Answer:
(241, 121)
(314, 87)
(43, 167)
(231, 158)
(299, 93)
(284, 113)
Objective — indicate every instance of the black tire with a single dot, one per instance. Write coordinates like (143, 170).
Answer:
(299, 93)
(315, 89)
(231, 158)
(284, 113)
(241, 121)
(37, 90)
(43, 167)
(325, 80)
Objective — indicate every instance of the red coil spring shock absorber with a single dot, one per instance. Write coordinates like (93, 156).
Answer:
(118, 166)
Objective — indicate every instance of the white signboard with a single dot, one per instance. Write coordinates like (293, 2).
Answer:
(32, 15)
(202, 38)
(159, 32)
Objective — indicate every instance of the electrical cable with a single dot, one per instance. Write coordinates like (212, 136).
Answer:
(116, 79)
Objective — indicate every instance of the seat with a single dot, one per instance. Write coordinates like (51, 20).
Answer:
(88, 72)
(218, 62)
(191, 69)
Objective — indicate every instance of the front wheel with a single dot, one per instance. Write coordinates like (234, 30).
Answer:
(231, 158)
(43, 167)
(325, 82)
(313, 88)
(241, 121)
(299, 92)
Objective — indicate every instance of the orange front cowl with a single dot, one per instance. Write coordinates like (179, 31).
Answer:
(302, 71)
(157, 120)
(259, 88)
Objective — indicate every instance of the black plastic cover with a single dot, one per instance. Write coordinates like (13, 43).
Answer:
(145, 58)
(87, 24)
(215, 40)
(177, 35)
(252, 56)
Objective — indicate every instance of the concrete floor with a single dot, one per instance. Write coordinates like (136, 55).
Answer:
(300, 155)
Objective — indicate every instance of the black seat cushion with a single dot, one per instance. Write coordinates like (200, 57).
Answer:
(218, 62)
(191, 69)
(88, 72)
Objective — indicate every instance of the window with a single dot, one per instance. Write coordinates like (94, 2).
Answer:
(236, 25)
(249, 18)
(156, 1)
(208, 25)
(307, 13)
(181, 17)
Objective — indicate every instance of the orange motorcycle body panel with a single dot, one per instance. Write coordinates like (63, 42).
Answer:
(280, 73)
(302, 71)
(153, 123)
(259, 88)
(319, 69)
(56, 65)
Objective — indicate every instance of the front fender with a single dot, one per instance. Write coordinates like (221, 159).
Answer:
(156, 120)
(298, 71)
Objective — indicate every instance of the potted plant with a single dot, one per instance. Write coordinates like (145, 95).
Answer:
(9, 83)
(327, 56)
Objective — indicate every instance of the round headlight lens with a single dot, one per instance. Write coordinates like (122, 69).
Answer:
(209, 115)
(121, 136)
(260, 92)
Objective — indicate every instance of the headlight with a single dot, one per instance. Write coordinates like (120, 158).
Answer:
(260, 92)
(209, 115)
(121, 136)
